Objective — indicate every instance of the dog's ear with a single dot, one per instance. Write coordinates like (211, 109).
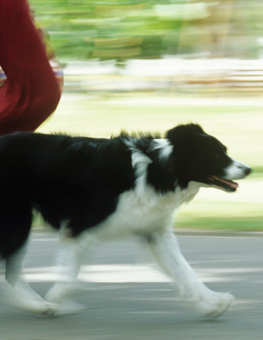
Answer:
(182, 139)
(159, 151)
(162, 155)
(182, 132)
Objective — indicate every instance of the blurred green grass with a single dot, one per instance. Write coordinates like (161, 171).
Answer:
(238, 123)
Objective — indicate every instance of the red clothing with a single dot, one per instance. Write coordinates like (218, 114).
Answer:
(31, 92)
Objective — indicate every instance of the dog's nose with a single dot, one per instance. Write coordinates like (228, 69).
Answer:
(248, 170)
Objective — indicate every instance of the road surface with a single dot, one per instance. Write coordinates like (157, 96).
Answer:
(126, 297)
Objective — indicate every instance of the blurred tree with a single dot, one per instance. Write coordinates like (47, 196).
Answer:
(121, 29)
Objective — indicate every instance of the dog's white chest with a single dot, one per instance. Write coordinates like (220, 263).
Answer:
(133, 216)
(139, 215)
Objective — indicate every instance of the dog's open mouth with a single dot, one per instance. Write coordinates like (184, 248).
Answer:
(222, 183)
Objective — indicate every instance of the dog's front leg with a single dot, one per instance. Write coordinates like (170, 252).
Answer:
(166, 250)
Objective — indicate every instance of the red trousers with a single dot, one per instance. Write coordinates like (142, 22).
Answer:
(31, 92)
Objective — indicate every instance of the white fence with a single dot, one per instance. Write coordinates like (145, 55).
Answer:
(246, 75)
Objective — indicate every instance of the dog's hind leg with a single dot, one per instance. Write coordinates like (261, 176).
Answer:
(70, 256)
(22, 295)
(15, 225)
(166, 250)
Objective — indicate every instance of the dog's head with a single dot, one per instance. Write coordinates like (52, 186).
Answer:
(197, 156)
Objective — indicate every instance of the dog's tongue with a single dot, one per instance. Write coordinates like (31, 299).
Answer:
(230, 183)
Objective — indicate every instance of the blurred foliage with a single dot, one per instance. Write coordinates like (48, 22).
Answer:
(121, 29)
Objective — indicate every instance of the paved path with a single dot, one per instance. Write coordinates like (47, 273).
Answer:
(127, 298)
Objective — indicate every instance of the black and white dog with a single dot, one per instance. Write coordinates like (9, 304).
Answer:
(100, 189)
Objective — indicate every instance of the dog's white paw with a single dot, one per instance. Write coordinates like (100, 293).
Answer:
(58, 292)
(35, 307)
(23, 298)
(216, 305)
(66, 305)
(47, 309)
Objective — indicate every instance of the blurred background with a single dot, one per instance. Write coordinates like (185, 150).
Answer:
(150, 65)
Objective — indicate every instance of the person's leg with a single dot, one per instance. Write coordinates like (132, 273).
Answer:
(31, 92)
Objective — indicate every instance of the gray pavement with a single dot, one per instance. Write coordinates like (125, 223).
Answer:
(127, 298)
